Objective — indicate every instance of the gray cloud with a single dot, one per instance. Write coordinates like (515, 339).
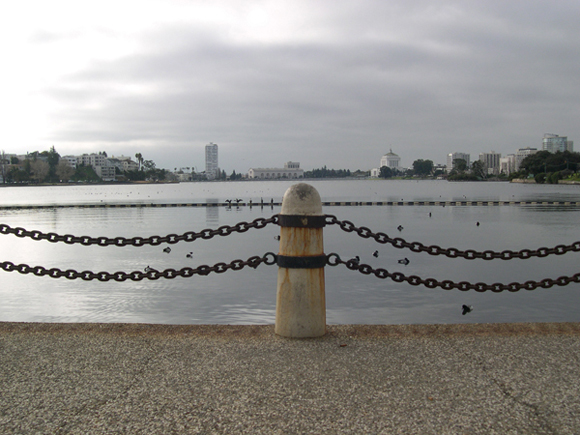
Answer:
(464, 76)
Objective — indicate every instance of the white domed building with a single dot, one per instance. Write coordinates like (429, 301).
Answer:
(390, 160)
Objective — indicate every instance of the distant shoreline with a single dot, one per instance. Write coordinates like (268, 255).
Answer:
(121, 183)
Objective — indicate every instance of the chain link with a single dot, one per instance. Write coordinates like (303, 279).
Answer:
(365, 269)
(190, 236)
(268, 258)
(468, 254)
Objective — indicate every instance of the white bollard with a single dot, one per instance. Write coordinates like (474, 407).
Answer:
(300, 299)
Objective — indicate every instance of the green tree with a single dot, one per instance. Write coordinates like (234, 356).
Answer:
(478, 169)
(386, 172)
(423, 167)
(16, 174)
(135, 175)
(139, 158)
(324, 172)
(52, 158)
(64, 171)
(4, 162)
(460, 165)
(148, 165)
(540, 178)
(39, 170)
(545, 161)
(85, 173)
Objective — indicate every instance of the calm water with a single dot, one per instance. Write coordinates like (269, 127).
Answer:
(249, 296)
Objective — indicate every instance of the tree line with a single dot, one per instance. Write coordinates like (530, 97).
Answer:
(547, 167)
(48, 167)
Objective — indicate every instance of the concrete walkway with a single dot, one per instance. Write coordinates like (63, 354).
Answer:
(156, 379)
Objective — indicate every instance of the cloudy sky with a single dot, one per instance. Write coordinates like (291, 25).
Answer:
(334, 83)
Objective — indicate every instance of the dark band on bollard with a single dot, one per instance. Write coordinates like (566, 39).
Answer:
(301, 221)
(312, 262)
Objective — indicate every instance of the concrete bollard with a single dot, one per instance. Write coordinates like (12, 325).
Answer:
(300, 299)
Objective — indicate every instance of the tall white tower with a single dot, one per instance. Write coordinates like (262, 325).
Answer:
(211, 161)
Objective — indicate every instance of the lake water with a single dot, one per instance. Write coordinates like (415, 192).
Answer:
(249, 296)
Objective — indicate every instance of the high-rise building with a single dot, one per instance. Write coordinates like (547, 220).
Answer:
(554, 143)
(451, 157)
(491, 162)
(521, 154)
(211, 161)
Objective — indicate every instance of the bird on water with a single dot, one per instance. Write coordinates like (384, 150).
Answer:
(404, 261)
(376, 254)
(466, 309)
(167, 250)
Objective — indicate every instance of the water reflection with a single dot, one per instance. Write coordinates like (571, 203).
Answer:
(212, 213)
(248, 296)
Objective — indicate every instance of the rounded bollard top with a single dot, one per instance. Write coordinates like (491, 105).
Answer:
(301, 199)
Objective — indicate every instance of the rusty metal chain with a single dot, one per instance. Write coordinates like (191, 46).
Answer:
(468, 254)
(268, 258)
(365, 269)
(190, 236)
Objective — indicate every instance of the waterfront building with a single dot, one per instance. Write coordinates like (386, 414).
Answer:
(211, 161)
(72, 161)
(390, 160)
(124, 163)
(100, 164)
(507, 164)
(92, 160)
(521, 154)
(183, 176)
(554, 143)
(491, 162)
(106, 172)
(451, 157)
(290, 170)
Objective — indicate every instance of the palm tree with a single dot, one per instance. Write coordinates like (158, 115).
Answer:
(139, 158)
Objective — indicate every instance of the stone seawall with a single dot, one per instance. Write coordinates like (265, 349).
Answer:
(220, 379)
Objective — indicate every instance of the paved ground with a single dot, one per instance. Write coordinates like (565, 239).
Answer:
(444, 379)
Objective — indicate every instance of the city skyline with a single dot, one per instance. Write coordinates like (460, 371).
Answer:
(324, 83)
(211, 158)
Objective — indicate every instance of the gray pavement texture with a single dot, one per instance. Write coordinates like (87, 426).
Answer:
(403, 379)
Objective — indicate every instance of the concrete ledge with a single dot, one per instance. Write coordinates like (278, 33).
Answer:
(267, 331)
(357, 379)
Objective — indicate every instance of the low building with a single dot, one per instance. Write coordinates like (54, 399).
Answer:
(290, 170)
(507, 164)
(93, 160)
(106, 172)
(124, 163)
(104, 167)
(183, 176)
(72, 161)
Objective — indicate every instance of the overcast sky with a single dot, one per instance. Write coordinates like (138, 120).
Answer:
(335, 83)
